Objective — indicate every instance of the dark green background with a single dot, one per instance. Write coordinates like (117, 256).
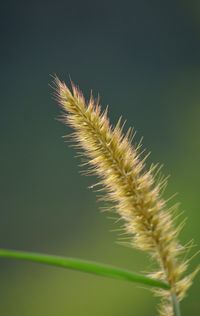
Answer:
(143, 57)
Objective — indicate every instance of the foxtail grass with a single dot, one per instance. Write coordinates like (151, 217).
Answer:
(135, 191)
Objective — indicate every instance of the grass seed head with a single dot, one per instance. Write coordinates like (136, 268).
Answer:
(135, 192)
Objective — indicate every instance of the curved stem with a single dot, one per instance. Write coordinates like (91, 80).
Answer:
(176, 305)
(85, 266)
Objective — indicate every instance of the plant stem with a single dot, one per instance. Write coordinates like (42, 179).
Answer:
(84, 266)
(176, 305)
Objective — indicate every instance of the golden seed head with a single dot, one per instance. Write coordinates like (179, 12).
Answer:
(135, 192)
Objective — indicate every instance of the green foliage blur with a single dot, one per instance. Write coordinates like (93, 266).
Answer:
(143, 59)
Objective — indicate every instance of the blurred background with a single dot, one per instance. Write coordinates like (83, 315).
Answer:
(143, 58)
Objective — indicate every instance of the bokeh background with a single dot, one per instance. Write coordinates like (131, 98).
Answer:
(143, 57)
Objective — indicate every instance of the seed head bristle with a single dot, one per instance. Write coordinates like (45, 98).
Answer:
(135, 192)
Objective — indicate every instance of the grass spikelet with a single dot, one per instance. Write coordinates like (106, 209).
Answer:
(135, 192)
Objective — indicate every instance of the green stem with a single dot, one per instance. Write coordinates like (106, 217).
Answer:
(85, 266)
(176, 305)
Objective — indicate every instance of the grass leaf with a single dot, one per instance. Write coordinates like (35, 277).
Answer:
(84, 266)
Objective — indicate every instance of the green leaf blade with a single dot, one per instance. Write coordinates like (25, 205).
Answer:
(84, 266)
